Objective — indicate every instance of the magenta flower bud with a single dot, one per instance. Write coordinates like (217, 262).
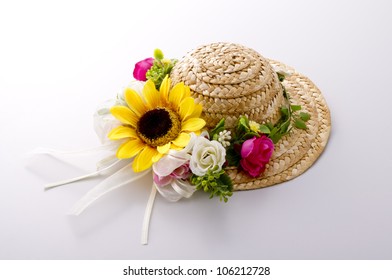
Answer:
(256, 153)
(141, 68)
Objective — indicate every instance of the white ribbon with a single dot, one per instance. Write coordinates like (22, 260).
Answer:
(183, 188)
(82, 152)
(120, 178)
(117, 179)
(147, 214)
(174, 191)
(103, 165)
(82, 177)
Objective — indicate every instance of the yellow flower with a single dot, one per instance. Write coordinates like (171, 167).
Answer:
(254, 126)
(156, 122)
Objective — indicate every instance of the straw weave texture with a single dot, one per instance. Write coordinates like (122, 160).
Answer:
(231, 80)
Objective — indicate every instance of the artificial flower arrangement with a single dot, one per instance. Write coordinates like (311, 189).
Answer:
(158, 126)
(161, 128)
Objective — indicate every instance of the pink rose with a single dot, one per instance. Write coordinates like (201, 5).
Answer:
(180, 173)
(256, 153)
(141, 68)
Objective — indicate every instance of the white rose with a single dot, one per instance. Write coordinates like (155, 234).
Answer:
(207, 155)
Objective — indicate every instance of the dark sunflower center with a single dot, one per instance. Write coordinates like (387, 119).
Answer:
(158, 126)
(155, 123)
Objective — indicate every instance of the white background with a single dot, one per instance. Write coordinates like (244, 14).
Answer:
(60, 60)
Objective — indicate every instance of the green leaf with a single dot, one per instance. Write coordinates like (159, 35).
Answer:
(270, 126)
(285, 111)
(300, 124)
(296, 107)
(280, 77)
(249, 135)
(218, 128)
(232, 157)
(242, 127)
(284, 127)
(244, 122)
(304, 116)
(276, 137)
(264, 129)
(226, 181)
(273, 131)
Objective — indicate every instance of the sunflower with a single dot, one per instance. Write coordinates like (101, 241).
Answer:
(156, 122)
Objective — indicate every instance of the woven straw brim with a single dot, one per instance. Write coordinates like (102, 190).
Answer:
(298, 150)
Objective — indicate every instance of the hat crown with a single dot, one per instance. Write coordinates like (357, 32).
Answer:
(231, 80)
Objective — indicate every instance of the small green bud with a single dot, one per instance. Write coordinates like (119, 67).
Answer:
(158, 54)
(166, 62)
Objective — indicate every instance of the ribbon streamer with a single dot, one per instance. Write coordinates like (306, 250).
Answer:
(122, 177)
(172, 192)
(55, 152)
(147, 215)
(82, 177)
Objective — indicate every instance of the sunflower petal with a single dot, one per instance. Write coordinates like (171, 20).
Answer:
(121, 132)
(165, 87)
(187, 91)
(157, 157)
(135, 102)
(187, 106)
(177, 94)
(182, 140)
(124, 115)
(130, 148)
(196, 111)
(174, 147)
(143, 160)
(164, 148)
(193, 124)
(151, 95)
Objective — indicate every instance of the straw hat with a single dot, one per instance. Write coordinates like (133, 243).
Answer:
(231, 80)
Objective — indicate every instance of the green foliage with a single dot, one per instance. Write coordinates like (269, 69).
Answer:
(291, 116)
(233, 157)
(298, 123)
(216, 183)
(295, 108)
(160, 68)
(280, 76)
(304, 116)
(218, 128)
(264, 129)
(242, 133)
